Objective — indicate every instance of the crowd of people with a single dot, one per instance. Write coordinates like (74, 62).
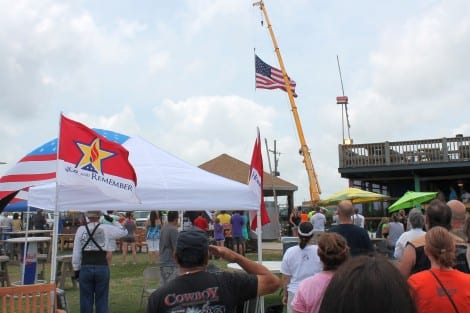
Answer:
(426, 268)
(95, 242)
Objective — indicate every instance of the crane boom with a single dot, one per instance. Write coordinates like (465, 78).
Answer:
(314, 186)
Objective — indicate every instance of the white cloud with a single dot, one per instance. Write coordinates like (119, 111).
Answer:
(200, 128)
(426, 54)
(419, 77)
(122, 122)
(424, 57)
(130, 29)
(201, 14)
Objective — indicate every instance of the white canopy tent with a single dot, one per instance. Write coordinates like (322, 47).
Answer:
(164, 182)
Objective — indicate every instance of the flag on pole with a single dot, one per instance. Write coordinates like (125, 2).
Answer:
(255, 183)
(268, 77)
(86, 158)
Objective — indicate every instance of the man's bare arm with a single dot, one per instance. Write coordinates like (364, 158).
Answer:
(267, 282)
(407, 261)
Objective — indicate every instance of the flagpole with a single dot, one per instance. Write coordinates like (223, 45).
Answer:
(25, 247)
(260, 249)
(55, 229)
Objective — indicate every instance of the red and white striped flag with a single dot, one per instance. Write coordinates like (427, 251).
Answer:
(255, 183)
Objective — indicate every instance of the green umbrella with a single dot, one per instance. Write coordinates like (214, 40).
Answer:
(355, 195)
(410, 199)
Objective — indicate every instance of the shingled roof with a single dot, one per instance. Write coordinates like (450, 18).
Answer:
(229, 167)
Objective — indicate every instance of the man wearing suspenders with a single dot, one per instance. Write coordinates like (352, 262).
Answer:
(90, 264)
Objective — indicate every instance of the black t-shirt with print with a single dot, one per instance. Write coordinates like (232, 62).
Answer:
(204, 292)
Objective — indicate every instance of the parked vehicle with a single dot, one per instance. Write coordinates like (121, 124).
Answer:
(141, 217)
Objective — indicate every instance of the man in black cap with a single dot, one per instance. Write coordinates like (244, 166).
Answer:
(196, 290)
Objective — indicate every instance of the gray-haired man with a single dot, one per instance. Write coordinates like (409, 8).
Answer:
(416, 221)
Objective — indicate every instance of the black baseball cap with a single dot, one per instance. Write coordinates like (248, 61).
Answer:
(193, 241)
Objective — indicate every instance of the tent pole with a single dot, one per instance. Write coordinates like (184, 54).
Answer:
(55, 237)
(55, 227)
(258, 235)
(25, 247)
(260, 250)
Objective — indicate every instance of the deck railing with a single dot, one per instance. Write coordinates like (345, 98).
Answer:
(456, 149)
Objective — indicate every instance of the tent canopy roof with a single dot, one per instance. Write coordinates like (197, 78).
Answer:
(164, 182)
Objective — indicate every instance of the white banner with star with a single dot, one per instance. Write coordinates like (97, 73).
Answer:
(86, 158)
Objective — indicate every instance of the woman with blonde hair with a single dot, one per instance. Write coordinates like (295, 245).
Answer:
(441, 288)
(294, 221)
(17, 223)
(333, 250)
(383, 228)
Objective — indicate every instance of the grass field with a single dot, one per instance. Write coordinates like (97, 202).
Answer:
(126, 283)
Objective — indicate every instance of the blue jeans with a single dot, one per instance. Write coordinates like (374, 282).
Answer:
(94, 288)
(6, 245)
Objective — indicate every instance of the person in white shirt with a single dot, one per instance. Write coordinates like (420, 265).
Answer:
(318, 220)
(299, 262)
(416, 222)
(357, 218)
(90, 263)
(111, 245)
(6, 225)
(465, 197)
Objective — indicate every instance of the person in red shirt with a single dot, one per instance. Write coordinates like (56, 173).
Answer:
(441, 288)
(201, 222)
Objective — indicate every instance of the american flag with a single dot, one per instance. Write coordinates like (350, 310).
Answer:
(268, 77)
(38, 167)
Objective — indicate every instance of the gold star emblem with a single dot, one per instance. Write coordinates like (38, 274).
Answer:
(93, 155)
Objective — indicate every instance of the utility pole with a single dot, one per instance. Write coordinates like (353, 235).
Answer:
(276, 160)
(273, 174)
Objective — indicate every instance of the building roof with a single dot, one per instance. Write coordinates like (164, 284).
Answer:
(229, 167)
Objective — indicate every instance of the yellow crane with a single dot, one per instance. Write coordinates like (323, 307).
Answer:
(314, 186)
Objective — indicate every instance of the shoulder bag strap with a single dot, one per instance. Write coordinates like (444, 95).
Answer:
(468, 255)
(445, 290)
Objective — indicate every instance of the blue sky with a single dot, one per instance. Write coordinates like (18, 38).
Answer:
(181, 75)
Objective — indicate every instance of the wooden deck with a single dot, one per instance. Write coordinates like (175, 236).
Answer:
(442, 150)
